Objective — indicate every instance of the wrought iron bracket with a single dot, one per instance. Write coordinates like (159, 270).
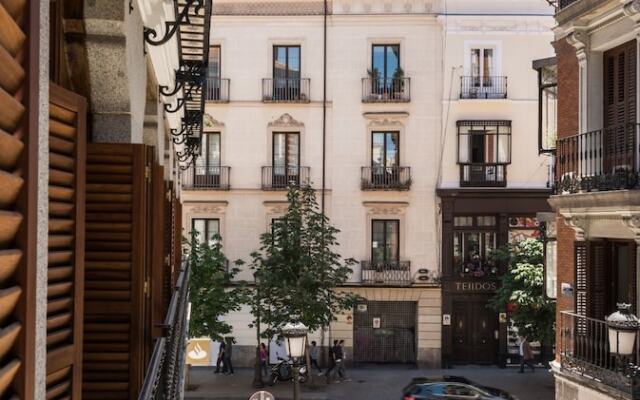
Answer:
(179, 104)
(171, 27)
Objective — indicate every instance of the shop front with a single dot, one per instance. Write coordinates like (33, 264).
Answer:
(475, 223)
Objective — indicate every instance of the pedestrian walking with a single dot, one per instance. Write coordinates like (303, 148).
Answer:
(264, 359)
(313, 354)
(228, 351)
(220, 360)
(332, 361)
(526, 356)
(342, 370)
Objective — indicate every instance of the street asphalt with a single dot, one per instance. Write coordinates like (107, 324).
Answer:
(368, 383)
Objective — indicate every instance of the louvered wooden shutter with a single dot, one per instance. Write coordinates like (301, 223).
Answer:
(114, 277)
(598, 280)
(581, 283)
(177, 237)
(18, 180)
(620, 85)
(157, 239)
(167, 283)
(67, 150)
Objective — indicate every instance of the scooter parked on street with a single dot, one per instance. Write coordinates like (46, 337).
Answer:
(283, 371)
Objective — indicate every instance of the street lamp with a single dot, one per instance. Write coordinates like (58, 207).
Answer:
(295, 334)
(623, 329)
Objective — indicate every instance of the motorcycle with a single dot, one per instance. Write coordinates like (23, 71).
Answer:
(283, 371)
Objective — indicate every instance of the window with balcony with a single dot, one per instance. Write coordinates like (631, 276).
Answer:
(474, 239)
(385, 172)
(285, 164)
(385, 266)
(207, 229)
(484, 150)
(286, 83)
(207, 173)
(386, 80)
(217, 87)
(483, 81)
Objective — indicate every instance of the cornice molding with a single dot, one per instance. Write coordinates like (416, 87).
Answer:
(385, 207)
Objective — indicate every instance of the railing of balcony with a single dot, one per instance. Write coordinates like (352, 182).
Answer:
(584, 350)
(483, 87)
(279, 177)
(218, 90)
(164, 375)
(483, 175)
(385, 178)
(391, 273)
(390, 90)
(206, 177)
(602, 160)
(286, 90)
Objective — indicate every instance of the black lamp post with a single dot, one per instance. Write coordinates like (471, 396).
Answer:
(623, 331)
(295, 334)
(257, 371)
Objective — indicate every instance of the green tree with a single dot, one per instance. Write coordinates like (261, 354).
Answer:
(213, 292)
(523, 288)
(298, 270)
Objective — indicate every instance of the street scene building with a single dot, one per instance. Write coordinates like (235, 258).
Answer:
(424, 146)
(595, 196)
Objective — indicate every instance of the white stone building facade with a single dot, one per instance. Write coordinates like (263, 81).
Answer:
(382, 143)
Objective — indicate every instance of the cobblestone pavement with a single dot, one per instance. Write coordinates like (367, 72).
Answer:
(369, 383)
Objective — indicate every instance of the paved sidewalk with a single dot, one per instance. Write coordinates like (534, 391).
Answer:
(369, 383)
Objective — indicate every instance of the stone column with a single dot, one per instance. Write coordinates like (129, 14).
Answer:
(579, 39)
(117, 70)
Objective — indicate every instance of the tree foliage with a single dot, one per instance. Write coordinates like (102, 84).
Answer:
(297, 269)
(212, 292)
(523, 288)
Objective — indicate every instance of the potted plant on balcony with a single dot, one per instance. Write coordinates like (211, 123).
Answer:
(374, 76)
(398, 83)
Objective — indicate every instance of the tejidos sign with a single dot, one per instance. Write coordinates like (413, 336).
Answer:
(473, 286)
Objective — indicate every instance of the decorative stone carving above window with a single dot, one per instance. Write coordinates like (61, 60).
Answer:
(210, 122)
(386, 119)
(216, 207)
(286, 121)
(276, 207)
(385, 207)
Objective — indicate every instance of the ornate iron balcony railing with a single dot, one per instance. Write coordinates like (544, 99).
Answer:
(602, 160)
(206, 177)
(584, 350)
(164, 375)
(218, 90)
(483, 87)
(391, 273)
(286, 90)
(389, 90)
(385, 178)
(279, 177)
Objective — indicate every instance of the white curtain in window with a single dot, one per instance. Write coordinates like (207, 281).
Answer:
(463, 149)
(503, 148)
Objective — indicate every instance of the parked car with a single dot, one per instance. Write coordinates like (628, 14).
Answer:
(451, 387)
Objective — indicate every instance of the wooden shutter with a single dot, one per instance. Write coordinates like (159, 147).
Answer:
(18, 188)
(598, 280)
(620, 85)
(114, 277)
(157, 239)
(67, 149)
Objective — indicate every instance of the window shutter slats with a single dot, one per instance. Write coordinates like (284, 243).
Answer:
(67, 142)
(114, 267)
(13, 262)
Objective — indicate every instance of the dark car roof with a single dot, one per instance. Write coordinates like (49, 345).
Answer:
(454, 379)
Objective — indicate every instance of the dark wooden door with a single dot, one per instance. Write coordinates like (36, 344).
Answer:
(474, 326)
